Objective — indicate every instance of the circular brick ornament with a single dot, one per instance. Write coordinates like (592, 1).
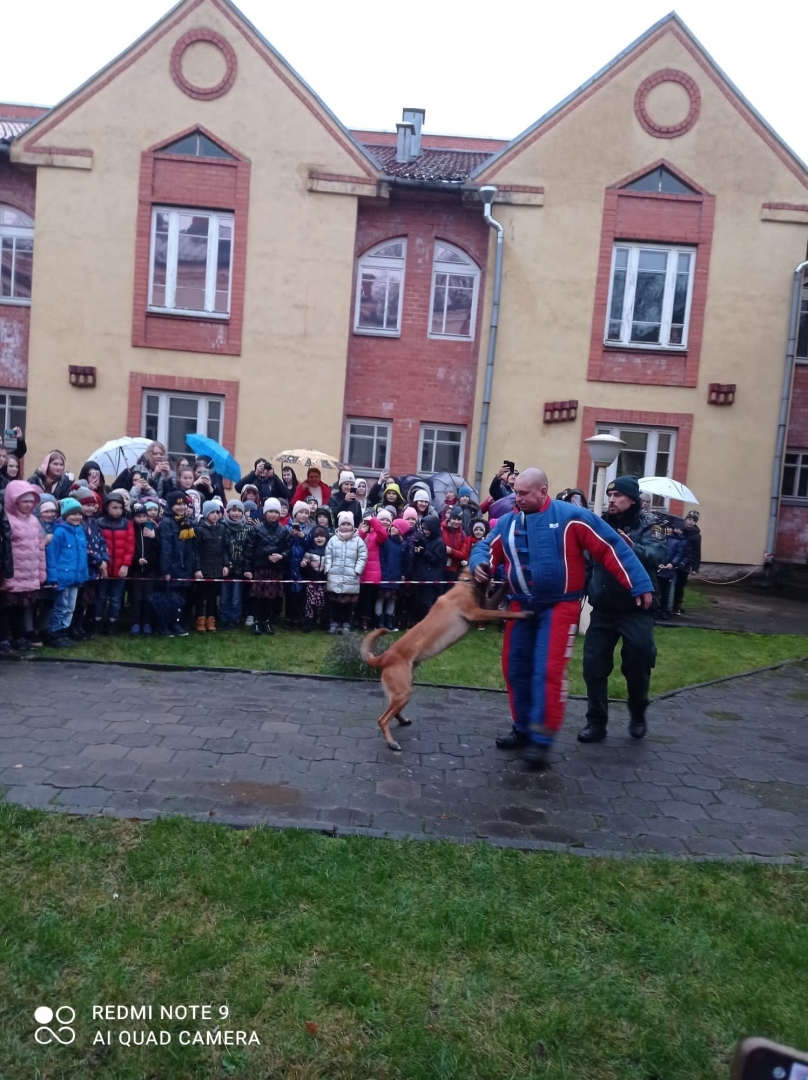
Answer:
(204, 93)
(667, 131)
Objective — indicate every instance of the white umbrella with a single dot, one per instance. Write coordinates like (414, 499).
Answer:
(119, 454)
(667, 488)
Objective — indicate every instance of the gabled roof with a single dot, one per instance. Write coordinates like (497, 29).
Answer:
(242, 24)
(449, 166)
(669, 23)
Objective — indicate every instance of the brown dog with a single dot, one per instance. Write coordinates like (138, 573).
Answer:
(446, 623)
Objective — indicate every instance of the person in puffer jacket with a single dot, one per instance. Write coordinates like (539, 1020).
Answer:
(145, 566)
(430, 556)
(66, 557)
(458, 545)
(176, 562)
(345, 558)
(237, 530)
(18, 590)
(82, 628)
(119, 534)
(266, 557)
(210, 561)
(373, 532)
(389, 497)
(395, 557)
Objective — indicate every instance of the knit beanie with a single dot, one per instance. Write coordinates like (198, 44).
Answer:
(272, 504)
(345, 517)
(464, 489)
(249, 506)
(403, 526)
(388, 515)
(83, 495)
(318, 530)
(46, 498)
(69, 506)
(209, 507)
(456, 513)
(299, 505)
(419, 494)
(626, 485)
(344, 477)
(235, 504)
(177, 498)
(410, 514)
(138, 508)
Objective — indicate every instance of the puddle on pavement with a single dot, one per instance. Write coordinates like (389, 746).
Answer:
(250, 791)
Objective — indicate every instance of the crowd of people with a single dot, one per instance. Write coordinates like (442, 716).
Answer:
(164, 548)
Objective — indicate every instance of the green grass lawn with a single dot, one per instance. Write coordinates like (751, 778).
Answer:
(363, 958)
(685, 655)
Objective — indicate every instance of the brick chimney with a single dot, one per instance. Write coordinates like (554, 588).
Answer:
(415, 117)
(406, 133)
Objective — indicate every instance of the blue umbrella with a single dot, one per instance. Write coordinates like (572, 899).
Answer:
(222, 460)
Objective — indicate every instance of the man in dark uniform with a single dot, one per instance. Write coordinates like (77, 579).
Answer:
(615, 616)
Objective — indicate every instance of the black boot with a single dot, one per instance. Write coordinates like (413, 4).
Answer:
(593, 732)
(89, 626)
(269, 629)
(534, 755)
(378, 622)
(111, 627)
(514, 741)
(637, 727)
(257, 628)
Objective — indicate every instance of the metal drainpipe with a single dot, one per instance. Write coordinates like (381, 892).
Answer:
(788, 372)
(487, 194)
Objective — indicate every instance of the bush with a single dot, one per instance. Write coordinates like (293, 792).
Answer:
(343, 658)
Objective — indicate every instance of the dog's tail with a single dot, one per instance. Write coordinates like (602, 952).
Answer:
(365, 647)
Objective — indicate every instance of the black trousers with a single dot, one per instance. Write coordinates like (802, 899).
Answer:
(638, 657)
(679, 588)
(140, 605)
(206, 593)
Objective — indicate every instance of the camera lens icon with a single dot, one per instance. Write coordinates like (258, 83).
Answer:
(64, 1016)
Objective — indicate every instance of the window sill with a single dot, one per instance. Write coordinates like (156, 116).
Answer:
(450, 337)
(179, 313)
(13, 301)
(677, 350)
(369, 332)
(793, 500)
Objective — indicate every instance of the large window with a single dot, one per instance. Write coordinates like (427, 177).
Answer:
(455, 280)
(367, 445)
(795, 475)
(802, 332)
(191, 262)
(441, 449)
(648, 452)
(649, 295)
(168, 418)
(16, 255)
(380, 289)
(12, 412)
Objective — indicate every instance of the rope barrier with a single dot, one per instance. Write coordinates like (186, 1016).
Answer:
(275, 581)
(712, 581)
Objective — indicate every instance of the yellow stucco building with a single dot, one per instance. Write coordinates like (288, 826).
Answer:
(228, 258)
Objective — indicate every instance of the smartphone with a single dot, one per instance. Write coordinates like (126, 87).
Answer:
(760, 1059)
(510, 465)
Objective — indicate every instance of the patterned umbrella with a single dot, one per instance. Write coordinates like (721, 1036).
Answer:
(310, 459)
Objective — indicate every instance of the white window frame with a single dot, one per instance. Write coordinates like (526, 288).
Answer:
(14, 233)
(468, 268)
(387, 424)
(800, 465)
(604, 428)
(634, 249)
(369, 259)
(437, 428)
(5, 414)
(172, 252)
(202, 400)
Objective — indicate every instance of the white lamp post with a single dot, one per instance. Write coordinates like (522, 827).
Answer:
(603, 449)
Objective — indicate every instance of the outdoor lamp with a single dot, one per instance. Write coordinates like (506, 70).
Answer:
(603, 449)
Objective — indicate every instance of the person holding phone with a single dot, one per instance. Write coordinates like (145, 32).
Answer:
(344, 498)
(502, 484)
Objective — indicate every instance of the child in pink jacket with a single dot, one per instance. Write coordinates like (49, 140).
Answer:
(374, 534)
(19, 592)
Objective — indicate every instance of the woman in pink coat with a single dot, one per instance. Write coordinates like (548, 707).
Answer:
(374, 534)
(18, 593)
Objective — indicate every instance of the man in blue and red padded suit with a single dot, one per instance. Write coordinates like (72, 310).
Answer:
(542, 545)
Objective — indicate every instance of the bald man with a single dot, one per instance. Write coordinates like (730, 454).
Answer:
(542, 546)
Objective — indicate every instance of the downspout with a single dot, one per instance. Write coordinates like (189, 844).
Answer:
(487, 194)
(785, 399)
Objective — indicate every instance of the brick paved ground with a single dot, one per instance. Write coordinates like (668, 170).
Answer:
(723, 773)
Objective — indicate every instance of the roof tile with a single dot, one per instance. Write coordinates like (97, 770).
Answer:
(449, 166)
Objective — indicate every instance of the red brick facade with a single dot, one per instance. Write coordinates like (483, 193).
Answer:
(657, 218)
(792, 523)
(206, 183)
(415, 379)
(17, 189)
(140, 381)
(681, 422)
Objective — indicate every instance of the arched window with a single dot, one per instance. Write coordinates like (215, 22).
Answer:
(16, 255)
(380, 289)
(455, 284)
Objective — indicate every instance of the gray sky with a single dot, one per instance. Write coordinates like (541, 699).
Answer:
(474, 72)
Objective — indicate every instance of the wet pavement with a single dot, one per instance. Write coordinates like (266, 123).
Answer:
(723, 772)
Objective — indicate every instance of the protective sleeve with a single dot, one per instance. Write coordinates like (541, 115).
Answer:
(611, 551)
